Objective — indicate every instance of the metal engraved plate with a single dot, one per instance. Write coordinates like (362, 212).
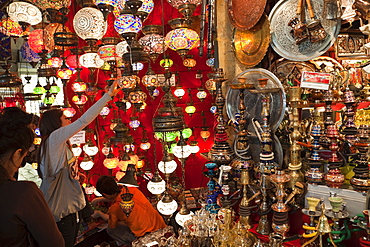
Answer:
(282, 39)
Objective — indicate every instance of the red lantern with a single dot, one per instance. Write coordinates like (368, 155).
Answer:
(37, 41)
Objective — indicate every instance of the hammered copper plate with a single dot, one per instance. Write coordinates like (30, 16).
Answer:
(244, 14)
(282, 40)
(251, 46)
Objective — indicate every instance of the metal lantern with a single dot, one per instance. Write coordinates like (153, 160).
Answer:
(24, 12)
(89, 24)
(177, 3)
(127, 23)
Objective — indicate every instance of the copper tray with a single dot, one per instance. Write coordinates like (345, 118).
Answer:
(251, 46)
(244, 14)
(282, 40)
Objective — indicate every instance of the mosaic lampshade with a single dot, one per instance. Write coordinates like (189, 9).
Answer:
(72, 61)
(127, 82)
(177, 3)
(11, 28)
(55, 62)
(52, 4)
(153, 44)
(91, 60)
(147, 7)
(89, 23)
(28, 54)
(150, 80)
(127, 23)
(64, 73)
(182, 39)
(121, 48)
(24, 12)
(108, 53)
(37, 41)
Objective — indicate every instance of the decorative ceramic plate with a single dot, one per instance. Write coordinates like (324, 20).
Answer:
(244, 14)
(282, 39)
(252, 101)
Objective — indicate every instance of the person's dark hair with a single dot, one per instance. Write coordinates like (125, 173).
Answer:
(18, 113)
(107, 185)
(14, 134)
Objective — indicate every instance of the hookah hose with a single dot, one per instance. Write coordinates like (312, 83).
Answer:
(345, 233)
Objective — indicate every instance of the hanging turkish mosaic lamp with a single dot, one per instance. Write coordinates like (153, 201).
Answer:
(137, 97)
(150, 81)
(72, 60)
(145, 8)
(12, 28)
(52, 4)
(24, 13)
(153, 41)
(128, 26)
(178, 3)
(105, 6)
(89, 24)
(28, 54)
(181, 39)
(121, 48)
(91, 60)
(37, 41)
(108, 53)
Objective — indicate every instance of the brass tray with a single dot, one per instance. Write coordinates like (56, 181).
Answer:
(244, 14)
(282, 40)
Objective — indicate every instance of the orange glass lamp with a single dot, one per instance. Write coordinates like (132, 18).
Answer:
(111, 161)
(36, 41)
(182, 40)
(204, 133)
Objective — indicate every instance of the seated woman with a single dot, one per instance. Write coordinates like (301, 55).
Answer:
(25, 216)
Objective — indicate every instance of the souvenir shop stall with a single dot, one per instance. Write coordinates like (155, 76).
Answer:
(246, 123)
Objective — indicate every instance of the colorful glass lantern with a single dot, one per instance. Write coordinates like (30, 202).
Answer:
(104, 112)
(36, 41)
(156, 185)
(90, 149)
(190, 109)
(69, 112)
(111, 162)
(147, 6)
(86, 164)
(72, 61)
(28, 54)
(134, 123)
(48, 99)
(205, 133)
(127, 82)
(150, 81)
(167, 206)
(179, 92)
(76, 150)
(91, 60)
(11, 28)
(79, 87)
(145, 144)
(167, 166)
(137, 96)
(39, 89)
(105, 6)
(121, 48)
(64, 73)
(211, 85)
(52, 4)
(189, 62)
(182, 40)
(24, 12)
(89, 24)
(55, 62)
(127, 23)
(54, 88)
(79, 100)
(166, 63)
(186, 133)
(201, 94)
(108, 53)
(153, 44)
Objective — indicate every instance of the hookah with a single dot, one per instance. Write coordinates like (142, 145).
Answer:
(266, 165)
(295, 164)
(336, 213)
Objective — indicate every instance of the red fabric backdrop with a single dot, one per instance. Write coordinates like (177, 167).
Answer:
(195, 163)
